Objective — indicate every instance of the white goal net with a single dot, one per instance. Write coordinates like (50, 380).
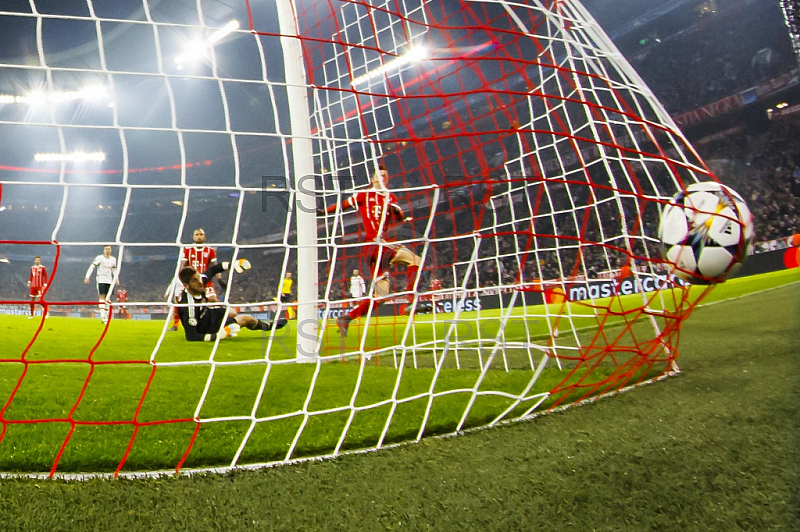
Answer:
(503, 265)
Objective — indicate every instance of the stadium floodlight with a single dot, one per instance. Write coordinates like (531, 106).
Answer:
(90, 93)
(223, 32)
(75, 156)
(414, 55)
(198, 49)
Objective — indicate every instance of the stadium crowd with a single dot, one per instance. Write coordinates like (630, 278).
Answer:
(740, 45)
(687, 67)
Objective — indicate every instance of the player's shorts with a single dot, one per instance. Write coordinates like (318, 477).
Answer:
(286, 298)
(381, 257)
(36, 292)
(103, 289)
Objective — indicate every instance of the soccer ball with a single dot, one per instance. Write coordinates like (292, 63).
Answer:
(706, 232)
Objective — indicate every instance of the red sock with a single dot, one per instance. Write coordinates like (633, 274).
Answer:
(362, 308)
(411, 276)
(32, 307)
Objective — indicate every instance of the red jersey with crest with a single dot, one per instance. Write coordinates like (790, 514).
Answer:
(38, 276)
(122, 295)
(371, 204)
(200, 259)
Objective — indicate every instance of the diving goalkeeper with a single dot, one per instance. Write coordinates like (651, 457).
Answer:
(203, 320)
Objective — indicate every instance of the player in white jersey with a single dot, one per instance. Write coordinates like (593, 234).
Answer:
(106, 276)
(358, 287)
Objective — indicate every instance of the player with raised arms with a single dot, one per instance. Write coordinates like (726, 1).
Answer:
(202, 320)
(378, 209)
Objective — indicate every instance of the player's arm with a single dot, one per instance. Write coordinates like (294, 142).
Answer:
(213, 260)
(214, 269)
(89, 272)
(184, 258)
(190, 331)
(395, 213)
(239, 265)
(349, 203)
(189, 326)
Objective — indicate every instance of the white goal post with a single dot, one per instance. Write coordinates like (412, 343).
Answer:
(453, 206)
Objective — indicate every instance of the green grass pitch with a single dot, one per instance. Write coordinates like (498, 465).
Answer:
(107, 401)
(716, 448)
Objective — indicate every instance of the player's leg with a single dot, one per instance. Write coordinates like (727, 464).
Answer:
(255, 324)
(405, 257)
(382, 287)
(379, 262)
(103, 307)
(412, 261)
(33, 293)
(286, 308)
(176, 320)
(102, 294)
(286, 300)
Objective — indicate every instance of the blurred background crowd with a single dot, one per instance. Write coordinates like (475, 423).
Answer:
(724, 70)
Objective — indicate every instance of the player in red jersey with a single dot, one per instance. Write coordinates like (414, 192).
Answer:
(37, 282)
(378, 209)
(122, 298)
(201, 258)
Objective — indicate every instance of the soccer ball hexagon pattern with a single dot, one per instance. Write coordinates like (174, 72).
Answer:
(705, 232)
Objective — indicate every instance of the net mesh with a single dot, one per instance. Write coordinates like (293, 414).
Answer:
(528, 159)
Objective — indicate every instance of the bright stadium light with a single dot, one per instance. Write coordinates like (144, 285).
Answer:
(199, 49)
(414, 55)
(75, 156)
(224, 31)
(91, 93)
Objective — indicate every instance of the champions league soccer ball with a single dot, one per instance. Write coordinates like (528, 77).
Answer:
(705, 233)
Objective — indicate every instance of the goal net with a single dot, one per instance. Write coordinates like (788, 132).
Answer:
(504, 264)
